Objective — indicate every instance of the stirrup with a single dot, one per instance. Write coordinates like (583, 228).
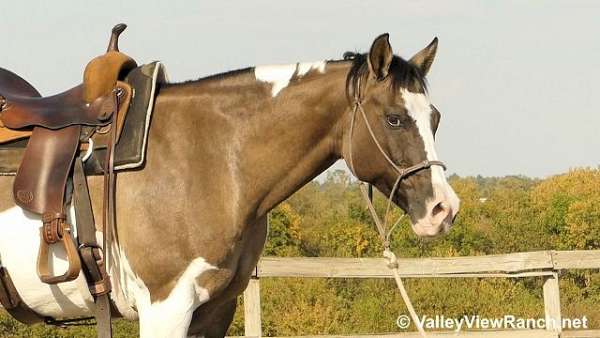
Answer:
(59, 234)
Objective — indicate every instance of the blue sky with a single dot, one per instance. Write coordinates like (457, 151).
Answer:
(516, 82)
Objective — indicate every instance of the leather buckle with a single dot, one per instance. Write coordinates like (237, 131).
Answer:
(103, 286)
(53, 227)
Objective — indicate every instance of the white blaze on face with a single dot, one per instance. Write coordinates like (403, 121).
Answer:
(279, 76)
(419, 108)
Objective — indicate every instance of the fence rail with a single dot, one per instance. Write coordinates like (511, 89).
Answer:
(545, 264)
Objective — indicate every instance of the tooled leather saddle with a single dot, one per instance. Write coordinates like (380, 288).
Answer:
(58, 134)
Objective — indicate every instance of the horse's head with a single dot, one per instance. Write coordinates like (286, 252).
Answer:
(392, 128)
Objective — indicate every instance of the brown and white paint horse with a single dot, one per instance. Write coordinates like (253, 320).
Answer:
(222, 152)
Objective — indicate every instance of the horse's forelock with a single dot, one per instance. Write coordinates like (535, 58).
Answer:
(404, 75)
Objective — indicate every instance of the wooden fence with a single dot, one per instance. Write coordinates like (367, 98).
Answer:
(544, 264)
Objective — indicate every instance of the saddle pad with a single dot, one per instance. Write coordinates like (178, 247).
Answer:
(11, 155)
(130, 151)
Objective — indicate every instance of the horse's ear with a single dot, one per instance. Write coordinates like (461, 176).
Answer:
(380, 56)
(424, 58)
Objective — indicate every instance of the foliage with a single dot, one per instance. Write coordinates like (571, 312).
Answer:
(284, 230)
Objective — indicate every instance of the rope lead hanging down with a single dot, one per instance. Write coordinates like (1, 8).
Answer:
(384, 234)
(393, 265)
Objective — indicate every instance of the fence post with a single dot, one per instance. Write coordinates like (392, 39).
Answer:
(552, 303)
(252, 316)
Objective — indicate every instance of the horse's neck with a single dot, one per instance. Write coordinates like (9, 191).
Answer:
(253, 149)
(300, 137)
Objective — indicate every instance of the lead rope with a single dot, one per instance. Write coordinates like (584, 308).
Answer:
(382, 229)
(392, 260)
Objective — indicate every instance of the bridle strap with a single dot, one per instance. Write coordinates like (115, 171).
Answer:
(420, 166)
(402, 172)
(382, 225)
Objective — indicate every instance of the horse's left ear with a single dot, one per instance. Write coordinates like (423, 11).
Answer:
(424, 58)
(380, 56)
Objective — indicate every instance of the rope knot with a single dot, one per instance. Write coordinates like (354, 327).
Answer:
(391, 257)
(386, 244)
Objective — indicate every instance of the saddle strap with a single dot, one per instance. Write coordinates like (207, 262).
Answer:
(103, 317)
(92, 254)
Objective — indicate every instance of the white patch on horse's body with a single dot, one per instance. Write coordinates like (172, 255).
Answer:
(18, 254)
(170, 317)
(419, 108)
(167, 318)
(305, 67)
(280, 75)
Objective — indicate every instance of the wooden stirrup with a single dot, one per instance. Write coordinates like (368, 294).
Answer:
(66, 239)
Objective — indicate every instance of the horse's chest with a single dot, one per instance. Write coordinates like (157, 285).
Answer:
(248, 252)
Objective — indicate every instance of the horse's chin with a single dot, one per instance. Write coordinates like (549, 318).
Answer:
(431, 231)
(400, 203)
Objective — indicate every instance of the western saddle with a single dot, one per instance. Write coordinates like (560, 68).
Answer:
(61, 131)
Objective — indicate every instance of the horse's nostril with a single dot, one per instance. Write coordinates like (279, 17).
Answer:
(439, 208)
(440, 213)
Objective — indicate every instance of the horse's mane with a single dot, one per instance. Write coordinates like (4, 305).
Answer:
(403, 74)
(217, 76)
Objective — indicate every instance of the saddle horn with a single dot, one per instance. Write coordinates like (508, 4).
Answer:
(113, 44)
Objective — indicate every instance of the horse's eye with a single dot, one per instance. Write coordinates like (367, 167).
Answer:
(394, 121)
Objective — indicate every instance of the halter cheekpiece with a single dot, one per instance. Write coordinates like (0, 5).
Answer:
(402, 172)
